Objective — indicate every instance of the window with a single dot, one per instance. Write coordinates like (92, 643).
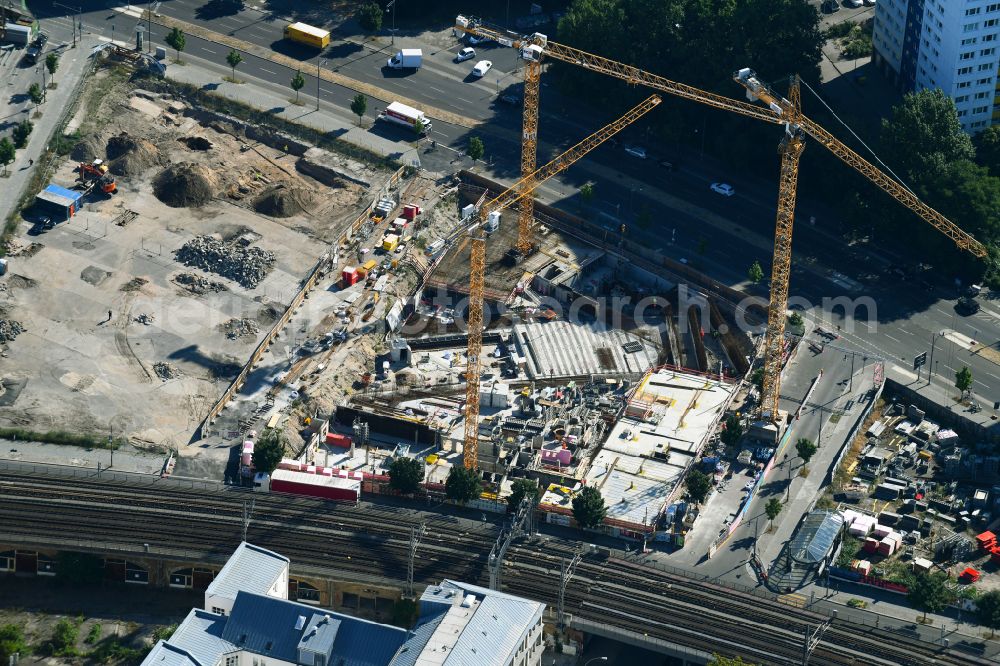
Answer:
(992, 8)
(968, 27)
(961, 98)
(989, 38)
(982, 95)
(963, 84)
(986, 67)
(961, 114)
(232, 660)
(972, 11)
(968, 55)
(965, 70)
(981, 109)
(967, 42)
(987, 52)
(984, 82)
(991, 23)
(218, 611)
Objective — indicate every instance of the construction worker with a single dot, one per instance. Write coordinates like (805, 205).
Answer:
(31, 161)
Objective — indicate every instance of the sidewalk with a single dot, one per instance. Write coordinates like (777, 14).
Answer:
(73, 64)
(279, 101)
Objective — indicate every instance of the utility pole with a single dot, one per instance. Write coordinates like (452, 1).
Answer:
(522, 519)
(565, 573)
(812, 639)
(416, 533)
(317, 84)
(393, 5)
(930, 371)
(851, 387)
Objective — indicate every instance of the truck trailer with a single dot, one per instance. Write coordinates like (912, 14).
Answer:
(401, 114)
(406, 59)
(308, 35)
(15, 33)
(335, 487)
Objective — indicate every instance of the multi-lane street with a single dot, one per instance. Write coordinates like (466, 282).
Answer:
(719, 235)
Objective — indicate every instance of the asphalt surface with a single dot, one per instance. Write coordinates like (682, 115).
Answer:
(908, 311)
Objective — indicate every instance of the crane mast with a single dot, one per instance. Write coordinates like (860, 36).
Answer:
(518, 192)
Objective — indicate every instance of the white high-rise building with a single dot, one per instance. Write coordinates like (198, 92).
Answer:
(953, 45)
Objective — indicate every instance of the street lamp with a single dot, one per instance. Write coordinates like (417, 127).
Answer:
(393, 5)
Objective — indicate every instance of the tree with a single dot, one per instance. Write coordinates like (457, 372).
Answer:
(298, 81)
(462, 484)
(588, 508)
(11, 642)
(963, 379)
(795, 319)
(732, 432)
(21, 133)
(418, 127)
(587, 193)
(924, 136)
(64, 637)
(805, 448)
(522, 488)
(36, 94)
(234, 58)
(755, 272)
(79, 568)
(987, 145)
(52, 63)
(359, 105)
(175, 39)
(370, 16)
(987, 611)
(772, 509)
(405, 475)
(404, 613)
(929, 593)
(7, 154)
(475, 149)
(698, 484)
(719, 660)
(757, 378)
(268, 451)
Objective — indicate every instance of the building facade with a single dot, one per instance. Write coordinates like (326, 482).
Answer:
(248, 620)
(948, 44)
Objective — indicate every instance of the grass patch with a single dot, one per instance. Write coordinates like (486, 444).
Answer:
(94, 634)
(838, 30)
(212, 102)
(87, 440)
(857, 603)
(229, 79)
(111, 650)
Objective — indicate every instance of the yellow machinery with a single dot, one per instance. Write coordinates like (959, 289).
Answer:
(779, 111)
(519, 191)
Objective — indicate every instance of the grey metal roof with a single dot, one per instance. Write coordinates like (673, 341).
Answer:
(164, 654)
(320, 634)
(816, 536)
(251, 569)
(266, 626)
(410, 652)
(199, 638)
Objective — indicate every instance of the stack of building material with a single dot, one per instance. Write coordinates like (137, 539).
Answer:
(890, 543)
(863, 567)
(862, 526)
(921, 565)
(986, 541)
(881, 531)
(970, 575)
(871, 545)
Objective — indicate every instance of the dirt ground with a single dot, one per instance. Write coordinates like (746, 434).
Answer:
(130, 615)
(119, 334)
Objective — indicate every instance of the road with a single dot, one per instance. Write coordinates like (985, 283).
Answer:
(905, 316)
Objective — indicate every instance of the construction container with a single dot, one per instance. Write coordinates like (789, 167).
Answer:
(368, 266)
(336, 439)
(390, 242)
(881, 531)
(315, 485)
(887, 547)
(970, 575)
(246, 459)
(399, 225)
(59, 203)
(410, 211)
(870, 545)
(986, 540)
(349, 275)
(921, 565)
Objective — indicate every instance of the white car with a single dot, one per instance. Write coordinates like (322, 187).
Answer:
(855, 3)
(481, 68)
(465, 54)
(724, 189)
(636, 151)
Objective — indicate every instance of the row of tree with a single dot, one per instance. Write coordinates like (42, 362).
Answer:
(22, 130)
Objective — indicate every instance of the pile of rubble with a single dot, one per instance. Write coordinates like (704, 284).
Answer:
(165, 371)
(10, 329)
(144, 319)
(241, 328)
(197, 284)
(243, 264)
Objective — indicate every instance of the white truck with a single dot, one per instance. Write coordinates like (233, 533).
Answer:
(402, 114)
(406, 59)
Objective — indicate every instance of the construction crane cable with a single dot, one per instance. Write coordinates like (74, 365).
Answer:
(860, 140)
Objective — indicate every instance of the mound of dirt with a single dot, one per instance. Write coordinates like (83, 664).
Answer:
(131, 156)
(280, 200)
(10, 329)
(88, 149)
(186, 184)
(196, 142)
(165, 371)
(135, 284)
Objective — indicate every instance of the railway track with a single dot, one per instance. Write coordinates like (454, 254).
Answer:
(373, 540)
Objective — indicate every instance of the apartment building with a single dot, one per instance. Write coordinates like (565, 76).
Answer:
(947, 44)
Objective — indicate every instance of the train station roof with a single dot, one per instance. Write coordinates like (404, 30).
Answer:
(816, 537)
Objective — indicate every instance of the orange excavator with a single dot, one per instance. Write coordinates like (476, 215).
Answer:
(96, 175)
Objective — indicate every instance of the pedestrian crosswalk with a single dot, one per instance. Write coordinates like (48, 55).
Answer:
(797, 600)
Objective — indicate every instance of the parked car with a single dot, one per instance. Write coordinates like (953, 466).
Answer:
(669, 166)
(481, 68)
(725, 189)
(854, 3)
(465, 54)
(510, 98)
(36, 47)
(831, 6)
(475, 40)
(636, 151)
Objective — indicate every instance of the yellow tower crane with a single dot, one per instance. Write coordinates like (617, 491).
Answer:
(779, 111)
(519, 191)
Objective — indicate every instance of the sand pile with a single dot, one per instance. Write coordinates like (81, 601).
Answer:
(186, 184)
(281, 200)
(131, 156)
